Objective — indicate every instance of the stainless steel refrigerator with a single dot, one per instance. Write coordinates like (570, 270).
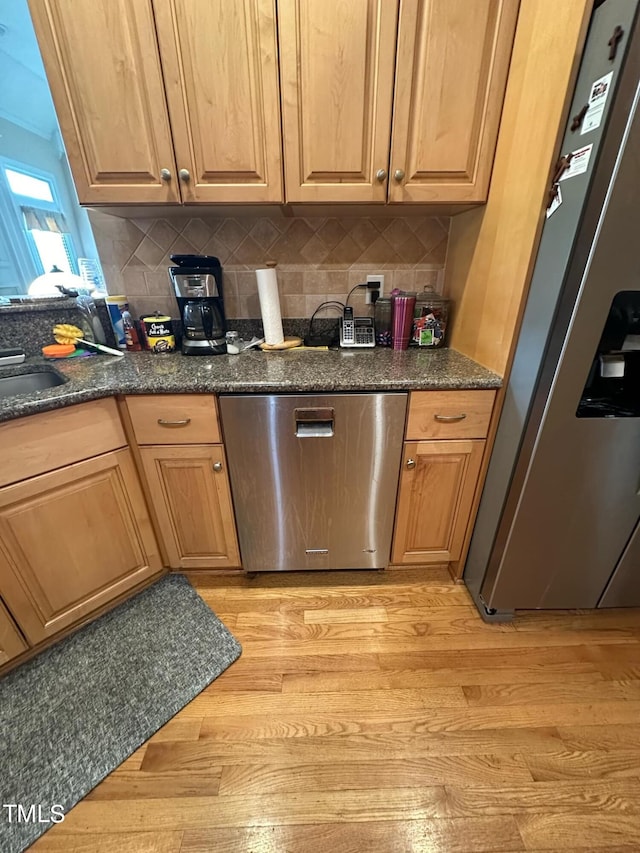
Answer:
(558, 520)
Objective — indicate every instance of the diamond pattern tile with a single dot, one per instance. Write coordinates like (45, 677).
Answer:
(316, 256)
(331, 233)
(149, 253)
(249, 253)
(231, 233)
(162, 233)
(314, 250)
(265, 233)
(197, 232)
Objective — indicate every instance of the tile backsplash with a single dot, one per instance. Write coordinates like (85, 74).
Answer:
(317, 258)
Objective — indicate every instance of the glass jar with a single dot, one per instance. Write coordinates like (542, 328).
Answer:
(430, 319)
(233, 343)
(382, 322)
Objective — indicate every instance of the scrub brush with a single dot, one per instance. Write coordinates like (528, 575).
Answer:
(65, 333)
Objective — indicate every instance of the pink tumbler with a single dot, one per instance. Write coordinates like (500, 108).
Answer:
(402, 319)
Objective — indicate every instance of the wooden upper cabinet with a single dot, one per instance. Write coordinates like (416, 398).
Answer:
(105, 77)
(453, 60)
(336, 68)
(220, 65)
(180, 100)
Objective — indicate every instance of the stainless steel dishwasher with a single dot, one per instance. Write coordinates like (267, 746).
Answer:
(314, 477)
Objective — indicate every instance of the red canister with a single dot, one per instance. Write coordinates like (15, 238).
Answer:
(402, 306)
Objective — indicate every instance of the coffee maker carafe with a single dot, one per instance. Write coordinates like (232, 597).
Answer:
(197, 281)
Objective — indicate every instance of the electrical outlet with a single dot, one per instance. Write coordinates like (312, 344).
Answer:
(378, 279)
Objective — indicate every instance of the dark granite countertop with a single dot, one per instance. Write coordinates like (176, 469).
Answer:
(290, 371)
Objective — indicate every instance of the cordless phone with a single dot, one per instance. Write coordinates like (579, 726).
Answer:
(347, 329)
(356, 331)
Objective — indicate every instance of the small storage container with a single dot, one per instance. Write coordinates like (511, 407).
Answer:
(430, 319)
(382, 322)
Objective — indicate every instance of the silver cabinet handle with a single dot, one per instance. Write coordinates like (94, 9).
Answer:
(185, 422)
(411, 463)
(184, 175)
(381, 175)
(398, 175)
(449, 418)
(165, 174)
(217, 466)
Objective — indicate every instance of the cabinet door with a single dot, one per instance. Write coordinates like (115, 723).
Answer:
(104, 71)
(73, 540)
(190, 492)
(336, 65)
(437, 484)
(11, 641)
(453, 59)
(221, 72)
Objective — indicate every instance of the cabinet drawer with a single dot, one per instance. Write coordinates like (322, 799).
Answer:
(39, 443)
(449, 414)
(174, 418)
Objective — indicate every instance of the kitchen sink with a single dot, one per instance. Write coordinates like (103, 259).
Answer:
(27, 383)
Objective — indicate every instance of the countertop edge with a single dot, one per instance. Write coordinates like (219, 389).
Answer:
(102, 376)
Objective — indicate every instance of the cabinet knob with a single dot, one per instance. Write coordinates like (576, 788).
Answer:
(398, 175)
(184, 175)
(217, 466)
(411, 463)
(165, 174)
(165, 423)
(381, 175)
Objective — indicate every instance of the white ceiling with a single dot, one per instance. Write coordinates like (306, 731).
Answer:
(24, 96)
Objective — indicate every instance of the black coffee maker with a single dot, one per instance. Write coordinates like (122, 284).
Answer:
(197, 281)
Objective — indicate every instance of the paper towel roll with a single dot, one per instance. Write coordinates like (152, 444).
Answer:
(270, 306)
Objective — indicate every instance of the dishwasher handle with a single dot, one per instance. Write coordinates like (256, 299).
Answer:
(314, 423)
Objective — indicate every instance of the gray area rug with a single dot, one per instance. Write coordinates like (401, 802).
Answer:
(73, 714)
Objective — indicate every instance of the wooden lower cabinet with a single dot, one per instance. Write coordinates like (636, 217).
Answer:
(437, 485)
(71, 541)
(189, 489)
(11, 641)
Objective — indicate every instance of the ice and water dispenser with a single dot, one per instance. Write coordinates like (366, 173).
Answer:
(612, 389)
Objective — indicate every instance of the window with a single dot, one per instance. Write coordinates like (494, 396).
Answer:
(34, 172)
(35, 202)
(25, 185)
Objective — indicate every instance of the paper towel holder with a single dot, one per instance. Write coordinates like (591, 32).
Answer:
(270, 264)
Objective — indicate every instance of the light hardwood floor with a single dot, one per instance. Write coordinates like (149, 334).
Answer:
(377, 712)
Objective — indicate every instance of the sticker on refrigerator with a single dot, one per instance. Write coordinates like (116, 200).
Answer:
(556, 200)
(579, 162)
(597, 100)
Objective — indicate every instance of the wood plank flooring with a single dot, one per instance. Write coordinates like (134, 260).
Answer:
(377, 712)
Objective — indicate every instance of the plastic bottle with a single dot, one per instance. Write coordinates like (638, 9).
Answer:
(116, 305)
(130, 332)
